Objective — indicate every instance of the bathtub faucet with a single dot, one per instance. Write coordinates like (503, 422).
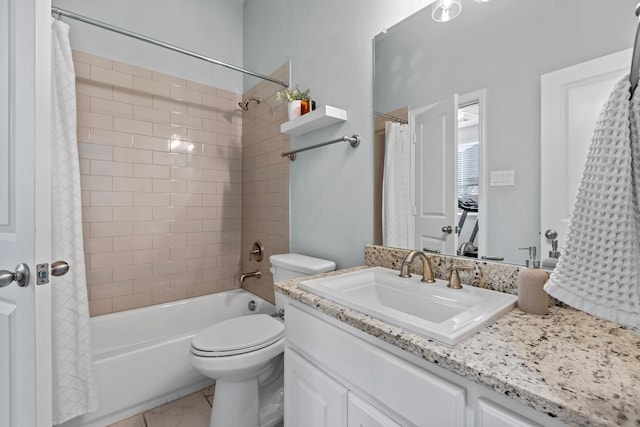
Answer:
(245, 276)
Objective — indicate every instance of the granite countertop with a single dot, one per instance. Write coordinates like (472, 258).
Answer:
(580, 370)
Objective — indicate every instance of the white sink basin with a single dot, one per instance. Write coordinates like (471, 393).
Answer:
(431, 310)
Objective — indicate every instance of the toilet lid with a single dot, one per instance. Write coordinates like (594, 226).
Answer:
(238, 335)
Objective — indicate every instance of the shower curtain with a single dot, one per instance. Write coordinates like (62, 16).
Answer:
(74, 391)
(397, 224)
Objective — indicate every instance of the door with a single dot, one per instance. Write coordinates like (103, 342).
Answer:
(572, 99)
(436, 136)
(311, 398)
(25, 318)
(362, 414)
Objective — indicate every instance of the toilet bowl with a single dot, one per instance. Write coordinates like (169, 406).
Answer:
(245, 356)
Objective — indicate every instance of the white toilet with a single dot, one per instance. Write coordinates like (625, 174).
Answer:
(244, 356)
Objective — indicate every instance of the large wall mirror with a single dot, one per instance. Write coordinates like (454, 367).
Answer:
(488, 61)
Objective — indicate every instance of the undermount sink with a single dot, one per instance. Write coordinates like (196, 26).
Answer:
(431, 310)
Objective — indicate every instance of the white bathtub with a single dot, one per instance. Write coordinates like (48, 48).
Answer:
(141, 356)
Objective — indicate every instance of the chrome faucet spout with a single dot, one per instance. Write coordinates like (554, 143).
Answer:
(427, 271)
(245, 276)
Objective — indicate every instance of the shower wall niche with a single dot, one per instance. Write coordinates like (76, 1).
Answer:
(161, 171)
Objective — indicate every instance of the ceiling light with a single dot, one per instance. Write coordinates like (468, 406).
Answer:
(446, 10)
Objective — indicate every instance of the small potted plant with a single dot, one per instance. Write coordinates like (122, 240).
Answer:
(294, 97)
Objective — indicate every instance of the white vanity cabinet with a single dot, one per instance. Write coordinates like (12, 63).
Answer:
(332, 368)
(338, 376)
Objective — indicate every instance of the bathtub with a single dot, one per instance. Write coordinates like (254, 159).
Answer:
(141, 356)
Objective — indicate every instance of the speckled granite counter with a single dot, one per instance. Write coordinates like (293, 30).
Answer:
(569, 364)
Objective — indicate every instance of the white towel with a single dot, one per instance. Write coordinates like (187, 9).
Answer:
(599, 269)
(74, 391)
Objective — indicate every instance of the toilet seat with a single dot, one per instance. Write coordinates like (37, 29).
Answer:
(239, 335)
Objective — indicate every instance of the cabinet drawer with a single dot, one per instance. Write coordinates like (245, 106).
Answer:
(421, 398)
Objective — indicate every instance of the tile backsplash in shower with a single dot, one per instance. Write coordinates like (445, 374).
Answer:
(161, 170)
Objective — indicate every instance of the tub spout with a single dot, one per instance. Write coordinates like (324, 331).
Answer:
(245, 276)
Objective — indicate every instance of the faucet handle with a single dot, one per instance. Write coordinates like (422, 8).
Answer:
(257, 251)
(427, 270)
(454, 276)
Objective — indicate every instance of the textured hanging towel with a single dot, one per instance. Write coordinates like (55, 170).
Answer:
(397, 230)
(599, 269)
(74, 391)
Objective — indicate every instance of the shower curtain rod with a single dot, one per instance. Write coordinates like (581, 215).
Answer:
(390, 117)
(61, 12)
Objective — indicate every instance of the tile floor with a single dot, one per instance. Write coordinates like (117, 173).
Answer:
(193, 410)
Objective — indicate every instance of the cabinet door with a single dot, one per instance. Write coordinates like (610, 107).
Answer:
(362, 414)
(311, 398)
(493, 415)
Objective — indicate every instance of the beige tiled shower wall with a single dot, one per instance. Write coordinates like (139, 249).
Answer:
(265, 184)
(161, 169)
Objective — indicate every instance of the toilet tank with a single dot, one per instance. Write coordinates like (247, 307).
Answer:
(291, 266)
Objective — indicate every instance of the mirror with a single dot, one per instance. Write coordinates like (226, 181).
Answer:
(501, 47)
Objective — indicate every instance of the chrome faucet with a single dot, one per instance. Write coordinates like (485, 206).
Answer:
(245, 276)
(427, 271)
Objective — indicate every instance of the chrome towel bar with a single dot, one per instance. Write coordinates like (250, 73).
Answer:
(353, 140)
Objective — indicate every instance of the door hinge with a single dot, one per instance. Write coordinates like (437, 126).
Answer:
(42, 274)
(414, 138)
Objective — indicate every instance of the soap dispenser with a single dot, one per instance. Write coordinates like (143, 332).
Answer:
(531, 262)
(554, 253)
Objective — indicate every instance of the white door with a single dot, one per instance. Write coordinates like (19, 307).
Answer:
(436, 136)
(311, 397)
(25, 317)
(572, 99)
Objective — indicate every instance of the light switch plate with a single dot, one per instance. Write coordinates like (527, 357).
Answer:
(502, 178)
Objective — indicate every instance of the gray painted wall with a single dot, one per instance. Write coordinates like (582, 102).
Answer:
(212, 28)
(504, 46)
(330, 45)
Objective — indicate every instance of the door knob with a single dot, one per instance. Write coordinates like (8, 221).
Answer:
(447, 229)
(59, 268)
(21, 276)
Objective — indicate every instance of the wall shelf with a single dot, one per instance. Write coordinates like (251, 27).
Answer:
(325, 115)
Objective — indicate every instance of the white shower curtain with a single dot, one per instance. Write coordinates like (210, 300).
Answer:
(74, 391)
(397, 221)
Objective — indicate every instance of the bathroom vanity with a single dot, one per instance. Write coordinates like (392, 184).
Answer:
(344, 368)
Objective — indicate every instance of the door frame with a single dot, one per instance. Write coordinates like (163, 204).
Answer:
(42, 128)
(480, 96)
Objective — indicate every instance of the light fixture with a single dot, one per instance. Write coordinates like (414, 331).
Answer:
(446, 10)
